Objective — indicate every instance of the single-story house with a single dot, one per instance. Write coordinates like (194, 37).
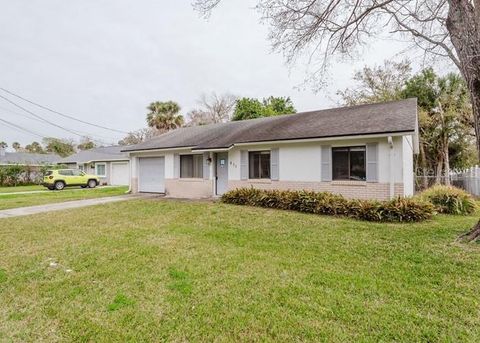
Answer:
(27, 158)
(361, 151)
(108, 163)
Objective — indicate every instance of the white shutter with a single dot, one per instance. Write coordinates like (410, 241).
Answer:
(372, 162)
(274, 164)
(244, 165)
(326, 163)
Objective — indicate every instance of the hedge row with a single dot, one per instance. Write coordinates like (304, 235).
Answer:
(397, 210)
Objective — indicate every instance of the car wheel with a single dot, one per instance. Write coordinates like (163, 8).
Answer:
(59, 185)
(92, 183)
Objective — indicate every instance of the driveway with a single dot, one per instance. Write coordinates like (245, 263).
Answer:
(25, 211)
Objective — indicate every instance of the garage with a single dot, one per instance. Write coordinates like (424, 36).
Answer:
(120, 174)
(151, 175)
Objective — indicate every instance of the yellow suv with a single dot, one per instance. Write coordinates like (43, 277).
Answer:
(61, 178)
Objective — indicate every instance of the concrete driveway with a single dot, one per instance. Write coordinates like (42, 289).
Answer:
(25, 211)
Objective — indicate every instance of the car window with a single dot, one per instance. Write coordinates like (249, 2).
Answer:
(66, 172)
(77, 172)
(49, 172)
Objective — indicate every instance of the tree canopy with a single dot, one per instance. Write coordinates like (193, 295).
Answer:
(164, 116)
(331, 29)
(249, 108)
(62, 147)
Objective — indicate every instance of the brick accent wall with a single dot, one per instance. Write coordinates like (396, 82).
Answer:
(349, 189)
(189, 188)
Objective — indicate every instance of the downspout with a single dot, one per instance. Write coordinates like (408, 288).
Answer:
(392, 168)
(130, 164)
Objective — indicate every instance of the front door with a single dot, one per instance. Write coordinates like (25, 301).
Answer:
(222, 173)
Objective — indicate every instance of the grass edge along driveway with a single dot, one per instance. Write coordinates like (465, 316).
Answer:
(199, 271)
(22, 200)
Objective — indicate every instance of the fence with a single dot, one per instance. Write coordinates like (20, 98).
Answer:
(469, 180)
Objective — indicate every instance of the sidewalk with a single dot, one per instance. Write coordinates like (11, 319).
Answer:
(25, 211)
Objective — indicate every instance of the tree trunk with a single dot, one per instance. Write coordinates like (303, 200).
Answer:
(446, 162)
(423, 165)
(463, 25)
(472, 235)
(439, 169)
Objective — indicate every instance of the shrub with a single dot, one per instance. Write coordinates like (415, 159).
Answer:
(450, 200)
(400, 209)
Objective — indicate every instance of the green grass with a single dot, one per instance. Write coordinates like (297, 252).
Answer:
(149, 270)
(22, 200)
(22, 189)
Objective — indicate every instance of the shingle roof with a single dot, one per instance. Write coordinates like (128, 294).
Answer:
(388, 117)
(108, 153)
(26, 158)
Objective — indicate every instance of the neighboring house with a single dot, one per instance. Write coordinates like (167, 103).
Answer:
(108, 163)
(27, 159)
(361, 151)
(34, 162)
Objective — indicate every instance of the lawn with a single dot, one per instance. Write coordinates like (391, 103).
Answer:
(22, 189)
(158, 270)
(48, 197)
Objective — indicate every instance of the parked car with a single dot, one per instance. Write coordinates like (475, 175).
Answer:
(61, 178)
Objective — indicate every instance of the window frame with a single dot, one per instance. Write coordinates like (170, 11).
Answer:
(349, 148)
(105, 168)
(193, 167)
(261, 152)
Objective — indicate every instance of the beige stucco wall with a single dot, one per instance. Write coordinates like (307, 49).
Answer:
(189, 188)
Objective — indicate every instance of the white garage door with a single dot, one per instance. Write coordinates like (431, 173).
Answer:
(120, 174)
(151, 175)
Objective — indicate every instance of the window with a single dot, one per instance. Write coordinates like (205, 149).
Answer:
(259, 165)
(191, 166)
(66, 172)
(349, 163)
(77, 172)
(100, 169)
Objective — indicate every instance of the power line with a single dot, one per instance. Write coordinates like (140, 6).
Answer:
(47, 121)
(15, 126)
(60, 113)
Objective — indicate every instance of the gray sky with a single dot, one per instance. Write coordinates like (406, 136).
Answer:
(104, 61)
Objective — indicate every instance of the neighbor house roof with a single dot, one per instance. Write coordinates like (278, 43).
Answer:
(389, 117)
(26, 158)
(108, 153)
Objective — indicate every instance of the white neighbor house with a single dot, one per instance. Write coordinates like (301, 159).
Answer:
(361, 151)
(108, 163)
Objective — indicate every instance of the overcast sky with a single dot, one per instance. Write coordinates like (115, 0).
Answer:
(104, 61)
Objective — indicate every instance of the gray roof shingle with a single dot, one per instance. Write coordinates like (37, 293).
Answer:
(388, 117)
(26, 158)
(108, 153)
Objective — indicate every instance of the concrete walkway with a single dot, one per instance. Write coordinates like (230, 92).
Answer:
(25, 211)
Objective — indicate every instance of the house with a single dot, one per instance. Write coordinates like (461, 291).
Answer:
(361, 151)
(108, 163)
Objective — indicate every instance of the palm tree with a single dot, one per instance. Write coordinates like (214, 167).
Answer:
(164, 116)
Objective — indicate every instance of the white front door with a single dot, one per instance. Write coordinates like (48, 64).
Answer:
(151, 174)
(120, 175)
(222, 173)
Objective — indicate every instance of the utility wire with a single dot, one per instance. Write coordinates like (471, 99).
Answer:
(47, 121)
(60, 113)
(15, 126)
